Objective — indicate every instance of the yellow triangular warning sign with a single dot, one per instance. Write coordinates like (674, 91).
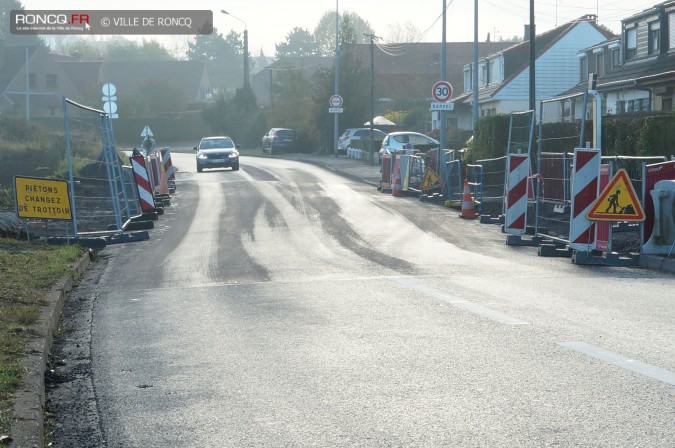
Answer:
(617, 202)
(431, 180)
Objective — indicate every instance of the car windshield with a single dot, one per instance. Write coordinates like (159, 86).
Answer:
(285, 133)
(216, 143)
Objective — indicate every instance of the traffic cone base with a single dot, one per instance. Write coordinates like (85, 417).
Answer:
(468, 211)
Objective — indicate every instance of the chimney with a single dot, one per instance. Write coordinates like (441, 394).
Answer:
(488, 38)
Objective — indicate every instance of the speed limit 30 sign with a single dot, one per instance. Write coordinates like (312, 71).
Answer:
(442, 91)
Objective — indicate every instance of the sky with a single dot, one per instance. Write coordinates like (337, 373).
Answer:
(269, 21)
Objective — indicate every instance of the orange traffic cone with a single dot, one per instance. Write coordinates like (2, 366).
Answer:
(468, 212)
(398, 189)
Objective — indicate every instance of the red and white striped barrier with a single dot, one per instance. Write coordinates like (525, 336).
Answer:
(518, 170)
(168, 165)
(143, 183)
(585, 184)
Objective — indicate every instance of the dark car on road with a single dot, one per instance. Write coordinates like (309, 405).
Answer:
(217, 152)
(278, 139)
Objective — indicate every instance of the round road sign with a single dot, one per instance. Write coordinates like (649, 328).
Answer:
(335, 101)
(109, 89)
(442, 91)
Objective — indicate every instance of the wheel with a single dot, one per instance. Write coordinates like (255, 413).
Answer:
(262, 147)
(236, 167)
(270, 148)
(199, 169)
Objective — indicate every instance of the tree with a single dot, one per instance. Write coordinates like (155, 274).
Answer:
(80, 47)
(223, 56)
(299, 42)
(402, 32)
(324, 34)
(125, 50)
(237, 116)
(6, 6)
(354, 86)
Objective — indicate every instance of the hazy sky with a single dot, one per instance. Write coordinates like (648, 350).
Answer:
(269, 21)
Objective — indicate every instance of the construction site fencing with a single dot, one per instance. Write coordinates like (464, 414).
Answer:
(99, 191)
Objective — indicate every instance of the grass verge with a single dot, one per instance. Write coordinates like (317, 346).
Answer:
(27, 272)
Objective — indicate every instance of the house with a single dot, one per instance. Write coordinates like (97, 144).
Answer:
(40, 93)
(635, 71)
(503, 77)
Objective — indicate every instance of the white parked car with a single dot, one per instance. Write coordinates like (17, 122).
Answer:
(410, 141)
(356, 134)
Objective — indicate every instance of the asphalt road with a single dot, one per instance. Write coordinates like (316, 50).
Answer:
(285, 306)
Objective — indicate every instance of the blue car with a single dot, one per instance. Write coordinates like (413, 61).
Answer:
(217, 152)
(278, 139)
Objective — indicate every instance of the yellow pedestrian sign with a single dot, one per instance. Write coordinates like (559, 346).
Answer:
(431, 180)
(617, 202)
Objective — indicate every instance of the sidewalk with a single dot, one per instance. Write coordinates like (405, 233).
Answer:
(363, 171)
(356, 169)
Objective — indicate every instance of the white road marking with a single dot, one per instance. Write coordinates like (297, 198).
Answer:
(621, 361)
(459, 303)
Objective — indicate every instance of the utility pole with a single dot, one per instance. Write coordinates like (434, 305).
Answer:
(372, 95)
(337, 76)
(474, 73)
(533, 91)
(444, 75)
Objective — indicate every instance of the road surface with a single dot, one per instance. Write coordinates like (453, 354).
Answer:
(285, 306)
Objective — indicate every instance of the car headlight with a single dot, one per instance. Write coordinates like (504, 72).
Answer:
(234, 155)
(201, 156)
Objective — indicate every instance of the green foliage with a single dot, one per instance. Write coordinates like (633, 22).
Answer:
(491, 138)
(324, 33)
(237, 116)
(299, 42)
(640, 134)
(125, 50)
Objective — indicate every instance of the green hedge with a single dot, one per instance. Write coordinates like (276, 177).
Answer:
(644, 134)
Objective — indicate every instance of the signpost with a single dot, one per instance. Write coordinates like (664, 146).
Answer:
(110, 100)
(335, 103)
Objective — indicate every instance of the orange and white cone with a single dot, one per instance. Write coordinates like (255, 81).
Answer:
(468, 212)
(398, 188)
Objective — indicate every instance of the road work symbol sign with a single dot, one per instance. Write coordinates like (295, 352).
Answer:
(42, 198)
(617, 202)
(431, 180)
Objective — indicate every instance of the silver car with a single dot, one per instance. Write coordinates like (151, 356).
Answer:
(411, 141)
(217, 152)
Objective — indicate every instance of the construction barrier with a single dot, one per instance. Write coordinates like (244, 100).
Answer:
(143, 183)
(168, 169)
(515, 218)
(659, 208)
(584, 193)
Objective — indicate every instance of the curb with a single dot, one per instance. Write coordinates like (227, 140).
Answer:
(27, 427)
(658, 263)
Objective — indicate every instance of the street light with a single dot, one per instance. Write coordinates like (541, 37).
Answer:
(245, 45)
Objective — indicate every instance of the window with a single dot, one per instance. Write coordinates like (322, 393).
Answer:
(616, 57)
(493, 72)
(667, 104)
(584, 68)
(671, 30)
(32, 80)
(467, 78)
(654, 37)
(483, 75)
(600, 64)
(52, 81)
(631, 43)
